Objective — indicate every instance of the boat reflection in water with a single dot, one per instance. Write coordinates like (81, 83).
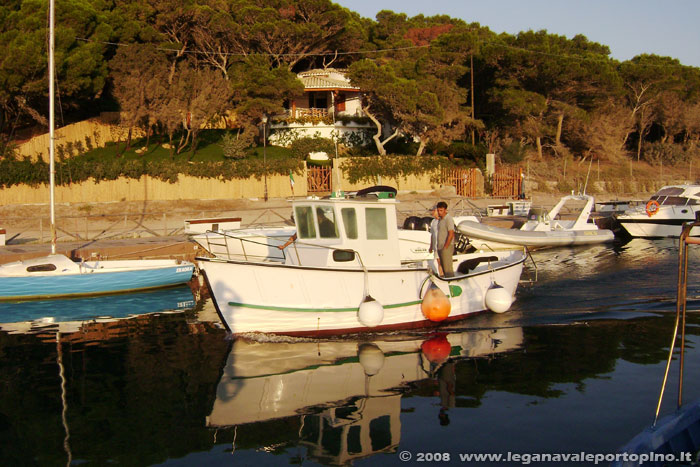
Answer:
(348, 393)
(67, 315)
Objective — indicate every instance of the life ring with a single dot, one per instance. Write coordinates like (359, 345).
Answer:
(652, 207)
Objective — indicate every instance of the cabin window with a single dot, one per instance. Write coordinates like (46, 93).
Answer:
(343, 256)
(305, 222)
(670, 191)
(375, 220)
(675, 201)
(350, 222)
(692, 202)
(42, 268)
(326, 222)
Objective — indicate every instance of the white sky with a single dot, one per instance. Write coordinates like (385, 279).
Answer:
(628, 27)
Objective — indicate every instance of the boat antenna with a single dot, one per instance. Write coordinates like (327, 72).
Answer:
(52, 168)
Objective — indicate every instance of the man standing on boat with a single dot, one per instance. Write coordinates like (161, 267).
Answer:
(446, 235)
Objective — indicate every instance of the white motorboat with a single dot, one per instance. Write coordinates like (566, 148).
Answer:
(345, 273)
(542, 229)
(664, 213)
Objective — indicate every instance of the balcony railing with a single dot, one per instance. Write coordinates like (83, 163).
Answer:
(312, 112)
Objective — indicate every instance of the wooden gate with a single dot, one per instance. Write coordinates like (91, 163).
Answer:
(318, 179)
(467, 182)
(507, 182)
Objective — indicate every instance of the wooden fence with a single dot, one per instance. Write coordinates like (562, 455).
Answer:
(467, 182)
(507, 182)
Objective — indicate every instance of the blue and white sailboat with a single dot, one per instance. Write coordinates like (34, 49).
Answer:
(57, 275)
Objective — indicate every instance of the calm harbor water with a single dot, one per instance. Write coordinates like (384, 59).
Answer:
(575, 366)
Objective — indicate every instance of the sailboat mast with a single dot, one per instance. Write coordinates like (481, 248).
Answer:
(52, 169)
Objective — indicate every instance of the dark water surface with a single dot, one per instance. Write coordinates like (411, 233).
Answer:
(575, 366)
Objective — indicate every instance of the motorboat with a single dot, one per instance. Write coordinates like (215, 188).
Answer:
(664, 214)
(542, 229)
(345, 273)
(57, 275)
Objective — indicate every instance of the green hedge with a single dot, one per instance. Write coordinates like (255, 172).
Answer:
(77, 170)
(366, 169)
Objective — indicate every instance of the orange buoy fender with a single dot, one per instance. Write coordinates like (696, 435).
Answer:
(436, 349)
(435, 306)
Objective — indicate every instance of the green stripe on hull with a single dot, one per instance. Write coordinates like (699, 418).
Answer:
(316, 310)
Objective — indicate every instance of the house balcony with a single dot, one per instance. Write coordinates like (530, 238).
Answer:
(308, 112)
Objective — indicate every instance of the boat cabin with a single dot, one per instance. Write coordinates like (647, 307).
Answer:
(678, 195)
(345, 232)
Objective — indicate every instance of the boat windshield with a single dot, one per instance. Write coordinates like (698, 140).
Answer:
(669, 191)
(327, 227)
(305, 222)
(674, 200)
(376, 224)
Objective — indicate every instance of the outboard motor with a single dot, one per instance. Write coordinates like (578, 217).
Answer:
(411, 223)
(425, 223)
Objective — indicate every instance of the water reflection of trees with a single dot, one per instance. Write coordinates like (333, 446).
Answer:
(135, 398)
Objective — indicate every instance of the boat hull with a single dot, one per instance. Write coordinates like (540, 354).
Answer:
(97, 282)
(294, 300)
(668, 222)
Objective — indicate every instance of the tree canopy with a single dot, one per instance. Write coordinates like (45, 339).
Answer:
(172, 65)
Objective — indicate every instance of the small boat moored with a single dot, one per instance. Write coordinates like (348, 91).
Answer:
(664, 214)
(58, 276)
(345, 273)
(541, 229)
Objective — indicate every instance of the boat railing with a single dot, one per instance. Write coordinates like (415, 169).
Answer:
(212, 237)
(681, 304)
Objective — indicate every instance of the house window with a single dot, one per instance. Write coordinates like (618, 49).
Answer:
(318, 100)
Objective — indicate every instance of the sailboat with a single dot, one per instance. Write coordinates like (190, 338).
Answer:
(56, 275)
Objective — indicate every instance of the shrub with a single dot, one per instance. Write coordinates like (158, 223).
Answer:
(513, 153)
(301, 147)
(234, 145)
(664, 153)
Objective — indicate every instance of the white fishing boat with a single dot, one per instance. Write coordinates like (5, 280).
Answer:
(57, 275)
(345, 273)
(664, 214)
(542, 229)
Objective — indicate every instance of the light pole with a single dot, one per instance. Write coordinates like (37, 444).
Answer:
(264, 121)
